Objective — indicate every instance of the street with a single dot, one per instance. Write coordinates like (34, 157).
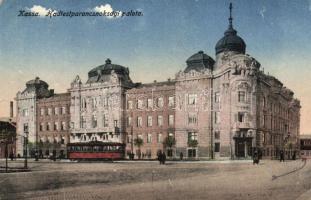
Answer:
(149, 180)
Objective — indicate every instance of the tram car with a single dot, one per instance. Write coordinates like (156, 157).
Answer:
(95, 151)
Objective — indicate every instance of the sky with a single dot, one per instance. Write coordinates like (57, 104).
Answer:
(154, 46)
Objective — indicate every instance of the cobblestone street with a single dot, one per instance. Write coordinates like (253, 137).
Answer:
(149, 180)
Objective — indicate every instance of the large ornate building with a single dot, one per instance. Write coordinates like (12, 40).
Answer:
(222, 107)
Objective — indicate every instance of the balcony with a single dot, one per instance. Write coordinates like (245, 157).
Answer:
(242, 125)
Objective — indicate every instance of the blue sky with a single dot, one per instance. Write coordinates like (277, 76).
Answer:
(154, 46)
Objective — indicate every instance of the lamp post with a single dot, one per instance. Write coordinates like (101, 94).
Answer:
(26, 147)
(36, 151)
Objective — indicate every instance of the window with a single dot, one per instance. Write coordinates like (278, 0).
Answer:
(264, 102)
(171, 120)
(62, 140)
(48, 126)
(83, 103)
(160, 102)
(41, 127)
(192, 99)
(140, 136)
(149, 121)
(149, 138)
(94, 102)
(192, 136)
(115, 123)
(159, 139)
(139, 104)
(129, 121)
(192, 119)
(83, 122)
(72, 125)
(171, 102)
(217, 135)
(129, 139)
(129, 104)
(26, 128)
(105, 101)
(49, 111)
(160, 120)
(241, 117)
(105, 120)
(94, 121)
(42, 111)
(139, 121)
(217, 117)
(25, 112)
(241, 96)
(63, 111)
(56, 111)
(217, 147)
(63, 126)
(217, 97)
(149, 103)
(55, 126)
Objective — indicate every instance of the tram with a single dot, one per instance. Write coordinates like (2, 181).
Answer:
(95, 151)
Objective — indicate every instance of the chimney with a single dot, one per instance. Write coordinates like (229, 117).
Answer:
(11, 109)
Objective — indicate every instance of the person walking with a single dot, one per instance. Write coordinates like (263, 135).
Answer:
(181, 155)
(255, 158)
(159, 157)
(163, 158)
(281, 156)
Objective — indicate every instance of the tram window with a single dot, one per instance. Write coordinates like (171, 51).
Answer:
(100, 148)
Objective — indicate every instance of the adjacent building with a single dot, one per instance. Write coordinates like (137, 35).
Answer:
(7, 137)
(150, 116)
(98, 105)
(53, 121)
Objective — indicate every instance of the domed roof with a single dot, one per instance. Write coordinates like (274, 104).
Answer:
(102, 73)
(231, 41)
(36, 83)
(39, 87)
(199, 61)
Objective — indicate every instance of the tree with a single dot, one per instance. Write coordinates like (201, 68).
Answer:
(169, 142)
(138, 142)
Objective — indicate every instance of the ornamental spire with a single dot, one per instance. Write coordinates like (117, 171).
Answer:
(230, 18)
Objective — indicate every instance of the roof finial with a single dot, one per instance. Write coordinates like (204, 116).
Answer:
(230, 18)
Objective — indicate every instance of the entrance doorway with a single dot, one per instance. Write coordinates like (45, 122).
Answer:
(243, 147)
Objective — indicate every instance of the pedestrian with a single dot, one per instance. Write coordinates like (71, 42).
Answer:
(281, 156)
(159, 154)
(163, 158)
(11, 156)
(256, 158)
(294, 155)
(181, 155)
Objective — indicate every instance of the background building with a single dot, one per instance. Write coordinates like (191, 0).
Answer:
(26, 119)
(215, 108)
(53, 118)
